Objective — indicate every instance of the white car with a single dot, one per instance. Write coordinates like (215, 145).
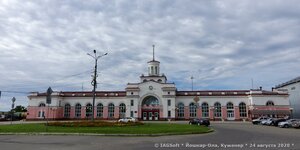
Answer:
(127, 119)
(267, 121)
(286, 124)
(258, 120)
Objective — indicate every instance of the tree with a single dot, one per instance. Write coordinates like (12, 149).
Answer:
(20, 109)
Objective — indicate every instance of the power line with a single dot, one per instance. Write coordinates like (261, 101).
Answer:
(74, 75)
(38, 86)
(20, 92)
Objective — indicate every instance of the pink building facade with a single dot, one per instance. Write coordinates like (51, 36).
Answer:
(153, 98)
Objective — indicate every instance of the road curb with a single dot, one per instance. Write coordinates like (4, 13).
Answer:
(96, 134)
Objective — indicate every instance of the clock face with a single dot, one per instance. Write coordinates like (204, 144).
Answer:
(150, 87)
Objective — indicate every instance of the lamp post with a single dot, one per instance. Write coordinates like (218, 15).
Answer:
(12, 107)
(94, 82)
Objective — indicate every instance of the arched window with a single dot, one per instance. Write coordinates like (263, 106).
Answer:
(193, 110)
(230, 110)
(229, 105)
(150, 100)
(145, 80)
(152, 70)
(122, 110)
(88, 110)
(156, 70)
(67, 111)
(159, 80)
(42, 105)
(111, 110)
(100, 110)
(217, 111)
(270, 103)
(180, 110)
(77, 110)
(243, 110)
(205, 110)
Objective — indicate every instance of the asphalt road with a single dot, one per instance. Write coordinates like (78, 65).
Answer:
(226, 136)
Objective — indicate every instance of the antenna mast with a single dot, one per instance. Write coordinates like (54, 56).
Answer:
(153, 52)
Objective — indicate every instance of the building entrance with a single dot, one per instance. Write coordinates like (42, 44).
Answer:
(230, 115)
(150, 108)
(150, 115)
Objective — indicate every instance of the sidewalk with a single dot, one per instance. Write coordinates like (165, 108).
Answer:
(177, 122)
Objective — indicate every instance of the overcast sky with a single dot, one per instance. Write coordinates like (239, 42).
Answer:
(222, 44)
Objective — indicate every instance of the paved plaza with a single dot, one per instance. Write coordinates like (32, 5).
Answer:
(235, 135)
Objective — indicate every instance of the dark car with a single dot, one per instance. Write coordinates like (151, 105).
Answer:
(199, 122)
(275, 122)
(296, 124)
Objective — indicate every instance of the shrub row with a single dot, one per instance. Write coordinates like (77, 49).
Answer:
(94, 124)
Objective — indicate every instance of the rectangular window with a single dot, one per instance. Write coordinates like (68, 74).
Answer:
(131, 113)
(43, 114)
(169, 113)
(131, 102)
(205, 110)
(181, 110)
(169, 102)
(100, 110)
(39, 115)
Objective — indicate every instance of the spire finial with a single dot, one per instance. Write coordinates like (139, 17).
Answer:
(153, 51)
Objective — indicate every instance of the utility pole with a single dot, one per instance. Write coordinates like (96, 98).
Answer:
(94, 82)
(12, 107)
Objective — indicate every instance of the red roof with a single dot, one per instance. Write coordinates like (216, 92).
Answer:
(90, 94)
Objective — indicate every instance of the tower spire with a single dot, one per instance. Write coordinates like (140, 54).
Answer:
(153, 51)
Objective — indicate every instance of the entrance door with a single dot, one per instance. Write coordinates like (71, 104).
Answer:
(150, 115)
(156, 115)
(144, 115)
(230, 115)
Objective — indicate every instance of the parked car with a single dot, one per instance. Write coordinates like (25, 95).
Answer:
(199, 122)
(276, 121)
(127, 119)
(269, 121)
(258, 120)
(296, 124)
(264, 121)
(286, 124)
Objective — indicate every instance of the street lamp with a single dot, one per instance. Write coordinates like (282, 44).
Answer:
(192, 78)
(12, 107)
(94, 82)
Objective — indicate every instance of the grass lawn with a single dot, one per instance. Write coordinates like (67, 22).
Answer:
(147, 128)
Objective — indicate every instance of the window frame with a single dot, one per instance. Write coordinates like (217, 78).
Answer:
(180, 112)
(205, 110)
(243, 111)
(111, 110)
(193, 110)
(78, 108)
(217, 110)
(67, 111)
(100, 110)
